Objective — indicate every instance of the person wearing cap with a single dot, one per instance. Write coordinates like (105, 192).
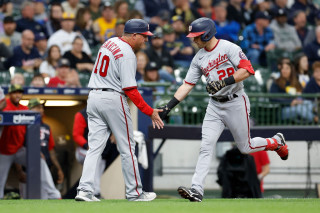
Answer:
(107, 22)
(161, 56)
(72, 6)
(26, 56)
(27, 20)
(181, 48)
(12, 149)
(65, 76)
(46, 140)
(65, 36)
(285, 36)
(41, 44)
(112, 81)
(258, 39)
(10, 37)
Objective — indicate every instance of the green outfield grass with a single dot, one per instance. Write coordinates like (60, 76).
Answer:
(163, 206)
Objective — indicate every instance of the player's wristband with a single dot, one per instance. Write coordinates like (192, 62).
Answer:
(172, 103)
(230, 80)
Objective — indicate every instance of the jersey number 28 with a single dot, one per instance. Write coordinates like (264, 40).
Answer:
(104, 65)
(222, 73)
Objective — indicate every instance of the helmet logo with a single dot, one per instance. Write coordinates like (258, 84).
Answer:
(190, 28)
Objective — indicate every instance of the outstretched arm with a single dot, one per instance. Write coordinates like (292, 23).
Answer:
(180, 94)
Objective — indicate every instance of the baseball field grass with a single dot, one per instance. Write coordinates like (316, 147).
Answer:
(163, 206)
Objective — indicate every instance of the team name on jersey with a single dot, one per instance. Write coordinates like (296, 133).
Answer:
(113, 48)
(215, 63)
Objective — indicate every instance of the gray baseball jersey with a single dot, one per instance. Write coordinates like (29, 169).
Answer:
(217, 64)
(115, 66)
(108, 111)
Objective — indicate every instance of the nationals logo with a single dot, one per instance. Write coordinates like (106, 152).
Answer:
(214, 64)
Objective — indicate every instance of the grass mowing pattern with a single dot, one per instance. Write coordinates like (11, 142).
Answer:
(163, 206)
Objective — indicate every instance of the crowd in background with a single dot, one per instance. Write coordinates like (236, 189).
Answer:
(36, 35)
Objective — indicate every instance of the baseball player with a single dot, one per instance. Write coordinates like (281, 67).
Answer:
(225, 66)
(112, 79)
(12, 149)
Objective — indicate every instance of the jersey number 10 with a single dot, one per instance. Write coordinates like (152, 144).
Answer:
(222, 73)
(104, 65)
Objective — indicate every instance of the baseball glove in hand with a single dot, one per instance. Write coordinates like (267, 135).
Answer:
(164, 114)
(215, 86)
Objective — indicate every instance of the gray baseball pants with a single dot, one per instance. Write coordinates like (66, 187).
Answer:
(235, 115)
(48, 189)
(109, 111)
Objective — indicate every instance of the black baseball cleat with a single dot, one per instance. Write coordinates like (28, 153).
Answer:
(192, 194)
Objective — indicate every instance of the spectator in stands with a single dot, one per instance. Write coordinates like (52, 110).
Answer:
(106, 22)
(10, 37)
(48, 67)
(142, 61)
(65, 76)
(258, 39)
(135, 14)
(18, 79)
(121, 9)
(206, 9)
(84, 25)
(40, 12)
(301, 65)
(53, 24)
(78, 59)
(94, 7)
(311, 36)
(292, 109)
(13, 151)
(71, 6)
(237, 12)
(300, 24)
(280, 4)
(184, 9)
(307, 6)
(37, 81)
(312, 50)
(313, 85)
(261, 6)
(161, 56)
(285, 36)
(41, 44)
(227, 30)
(119, 28)
(150, 8)
(181, 49)
(65, 36)
(27, 20)
(262, 162)
(5, 53)
(151, 74)
(46, 140)
(26, 56)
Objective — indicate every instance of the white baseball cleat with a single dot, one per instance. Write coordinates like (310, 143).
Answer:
(145, 196)
(86, 196)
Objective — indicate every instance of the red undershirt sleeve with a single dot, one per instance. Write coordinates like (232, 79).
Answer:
(79, 126)
(137, 99)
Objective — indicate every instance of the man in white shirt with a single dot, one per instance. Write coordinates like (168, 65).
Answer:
(65, 36)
